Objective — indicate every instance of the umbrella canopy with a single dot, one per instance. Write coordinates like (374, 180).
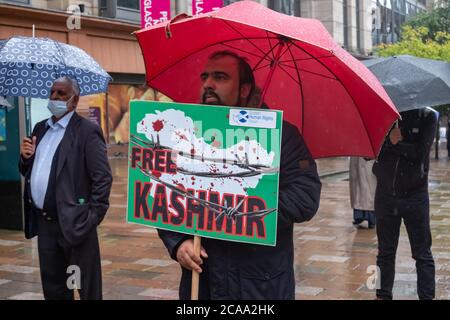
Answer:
(5, 104)
(338, 105)
(28, 67)
(413, 82)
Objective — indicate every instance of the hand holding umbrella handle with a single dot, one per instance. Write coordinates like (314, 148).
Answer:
(28, 147)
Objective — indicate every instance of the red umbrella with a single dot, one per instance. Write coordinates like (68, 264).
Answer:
(336, 102)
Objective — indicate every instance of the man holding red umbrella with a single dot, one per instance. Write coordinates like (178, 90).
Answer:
(230, 270)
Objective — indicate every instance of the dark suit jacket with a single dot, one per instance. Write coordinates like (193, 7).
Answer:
(82, 172)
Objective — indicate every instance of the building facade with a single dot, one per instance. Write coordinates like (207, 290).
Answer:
(103, 28)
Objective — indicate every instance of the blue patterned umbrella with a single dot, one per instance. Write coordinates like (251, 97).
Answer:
(28, 67)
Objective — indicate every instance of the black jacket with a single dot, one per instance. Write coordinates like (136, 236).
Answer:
(402, 169)
(246, 271)
(83, 172)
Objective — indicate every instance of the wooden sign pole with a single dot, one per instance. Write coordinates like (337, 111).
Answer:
(195, 274)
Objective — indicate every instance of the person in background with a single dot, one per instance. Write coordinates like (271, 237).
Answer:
(66, 196)
(402, 194)
(362, 184)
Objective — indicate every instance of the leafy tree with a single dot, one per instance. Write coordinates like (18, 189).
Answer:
(437, 20)
(415, 42)
(426, 35)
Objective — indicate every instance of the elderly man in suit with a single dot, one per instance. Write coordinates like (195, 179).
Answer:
(67, 186)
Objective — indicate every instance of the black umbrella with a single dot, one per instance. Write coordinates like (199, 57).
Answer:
(412, 82)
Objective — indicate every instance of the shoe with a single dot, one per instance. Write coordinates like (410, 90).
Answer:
(371, 226)
(357, 222)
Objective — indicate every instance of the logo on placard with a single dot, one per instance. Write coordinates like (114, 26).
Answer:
(241, 117)
(253, 118)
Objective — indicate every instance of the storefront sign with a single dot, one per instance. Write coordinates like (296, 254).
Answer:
(154, 11)
(203, 6)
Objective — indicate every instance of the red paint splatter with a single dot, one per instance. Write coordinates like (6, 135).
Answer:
(212, 184)
(241, 148)
(181, 136)
(158, 125)
(193, 151)
(193, 178)
(156, 173)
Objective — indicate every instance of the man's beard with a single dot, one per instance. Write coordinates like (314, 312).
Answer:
(218, 101)
(211, 93)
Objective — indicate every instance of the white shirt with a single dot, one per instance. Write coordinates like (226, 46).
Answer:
(43, 158)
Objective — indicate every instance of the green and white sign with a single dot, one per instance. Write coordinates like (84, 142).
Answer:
(210, 171)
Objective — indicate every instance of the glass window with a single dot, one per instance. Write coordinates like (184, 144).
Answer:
(389, 4)
(345, 24)
(389, 26)
(290, 7)
(402, 6)
(227, 2)
(358, 25)
(129, 4)
(19, 1)
(2, 125)
(396, 27)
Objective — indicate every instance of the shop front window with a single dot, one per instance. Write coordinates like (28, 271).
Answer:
(19, 1)
(128, 4)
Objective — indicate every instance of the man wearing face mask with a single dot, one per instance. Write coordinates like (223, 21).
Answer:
(67, 186)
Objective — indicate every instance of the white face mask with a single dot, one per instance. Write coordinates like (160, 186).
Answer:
(58, 108)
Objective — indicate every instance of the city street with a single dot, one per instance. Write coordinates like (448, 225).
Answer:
(333, 259)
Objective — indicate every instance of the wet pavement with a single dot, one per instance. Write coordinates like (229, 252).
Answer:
(333, 258)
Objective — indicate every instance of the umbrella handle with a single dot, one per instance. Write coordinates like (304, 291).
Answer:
(179, 17)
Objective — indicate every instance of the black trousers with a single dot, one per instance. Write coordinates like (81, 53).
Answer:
(64, 266)
(414, 211)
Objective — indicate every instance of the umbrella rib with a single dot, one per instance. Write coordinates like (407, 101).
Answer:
(243, 37)
(60, 52)
(305, 59)
(270, 45)
(232, 47)
(265, 58)
(291, 76)
(197, 51)
(337, 79)
(267, 53)
(307, 71)
(301, 89)
(261, 67)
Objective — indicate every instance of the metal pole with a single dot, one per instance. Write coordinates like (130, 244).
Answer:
(436, 151)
